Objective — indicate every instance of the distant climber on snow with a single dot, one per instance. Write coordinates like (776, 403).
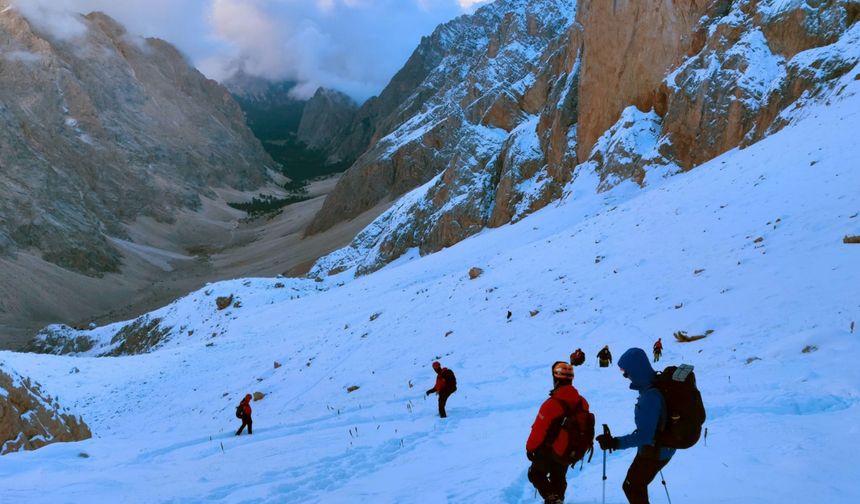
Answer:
(243, 411)
(658, 349)
(668, 415)
(577, 358)
(562, 434)
(446, 384)
(604, 356)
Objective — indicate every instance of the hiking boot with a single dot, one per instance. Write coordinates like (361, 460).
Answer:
(553, 499)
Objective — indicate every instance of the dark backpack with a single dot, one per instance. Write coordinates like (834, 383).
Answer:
(684, 407)
(579, 425)
(450, 380)
(240, 411)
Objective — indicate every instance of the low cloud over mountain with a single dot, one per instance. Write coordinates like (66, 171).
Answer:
(352, 45)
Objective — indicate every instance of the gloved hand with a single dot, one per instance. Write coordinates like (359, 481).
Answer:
(531, 455)
(607, 442)
(430, 391)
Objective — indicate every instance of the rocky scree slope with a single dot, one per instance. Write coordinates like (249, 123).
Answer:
(99, 128)
(625, 90)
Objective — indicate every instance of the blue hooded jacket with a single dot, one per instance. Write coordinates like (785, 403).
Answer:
(650, 407)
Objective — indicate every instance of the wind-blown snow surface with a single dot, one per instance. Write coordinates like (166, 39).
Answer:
(682, 254)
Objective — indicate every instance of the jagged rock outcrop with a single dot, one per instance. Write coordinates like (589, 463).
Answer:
(138, 336)
(325, 116)
(100, 128)
(751, 60)
(30, 419)
(631, 90)
(465, 88)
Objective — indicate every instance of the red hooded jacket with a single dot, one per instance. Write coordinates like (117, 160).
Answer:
(246, 406)
(552, 411)
(442, 384)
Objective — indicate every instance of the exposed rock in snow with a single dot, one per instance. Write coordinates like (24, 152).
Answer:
(30, 419)
(751, 61)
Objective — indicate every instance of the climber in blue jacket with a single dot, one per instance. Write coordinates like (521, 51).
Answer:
(650, 417)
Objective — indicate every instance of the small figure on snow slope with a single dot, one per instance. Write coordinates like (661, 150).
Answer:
(561, 435)
(658, 349)
(577, 358)
(243, 411)
(446, 384)
(604, 357)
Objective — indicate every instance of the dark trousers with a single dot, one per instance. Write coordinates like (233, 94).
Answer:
(245, 421)
(657, 355)
(443, 400)
(548, 477)
(642, 472)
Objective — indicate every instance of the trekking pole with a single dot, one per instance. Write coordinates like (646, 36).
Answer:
(665, 487)
(605, 431)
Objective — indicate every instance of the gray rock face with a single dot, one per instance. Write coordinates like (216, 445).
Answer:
(103, 128)
(30, 419)
(326, 116)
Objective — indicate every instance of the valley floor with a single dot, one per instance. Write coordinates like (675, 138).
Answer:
(748, 245)
(164, 261)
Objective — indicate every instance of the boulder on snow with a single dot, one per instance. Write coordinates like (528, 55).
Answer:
(30, 419)
(475, 273)
(258, 396)
(851, 239)
(352, 388)
(683, 337)
(277, 364)
(223, 302)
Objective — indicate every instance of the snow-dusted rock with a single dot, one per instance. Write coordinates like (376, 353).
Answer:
(31, 419)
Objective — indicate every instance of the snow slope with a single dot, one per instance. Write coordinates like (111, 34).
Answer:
(618, 268)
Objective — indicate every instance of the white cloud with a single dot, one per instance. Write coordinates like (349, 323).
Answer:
(352, 45)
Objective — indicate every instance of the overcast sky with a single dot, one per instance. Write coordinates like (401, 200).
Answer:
(355, 46)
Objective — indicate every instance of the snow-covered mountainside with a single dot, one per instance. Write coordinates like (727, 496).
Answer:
(508, 133)
(748, 248)
(463, 92)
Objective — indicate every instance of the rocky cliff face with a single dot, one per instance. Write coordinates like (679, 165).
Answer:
(628, 47)
(466, 88)
(325, 118)
(101, 128)
(629, 91)
(30, 419)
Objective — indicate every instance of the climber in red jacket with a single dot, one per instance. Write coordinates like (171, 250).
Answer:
(245, 407)
(446, 384)
(562, 434)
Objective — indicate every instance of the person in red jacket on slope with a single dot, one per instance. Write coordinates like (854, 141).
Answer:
(550, 442)
(658, 349)
(245, 406)
(446, 384)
